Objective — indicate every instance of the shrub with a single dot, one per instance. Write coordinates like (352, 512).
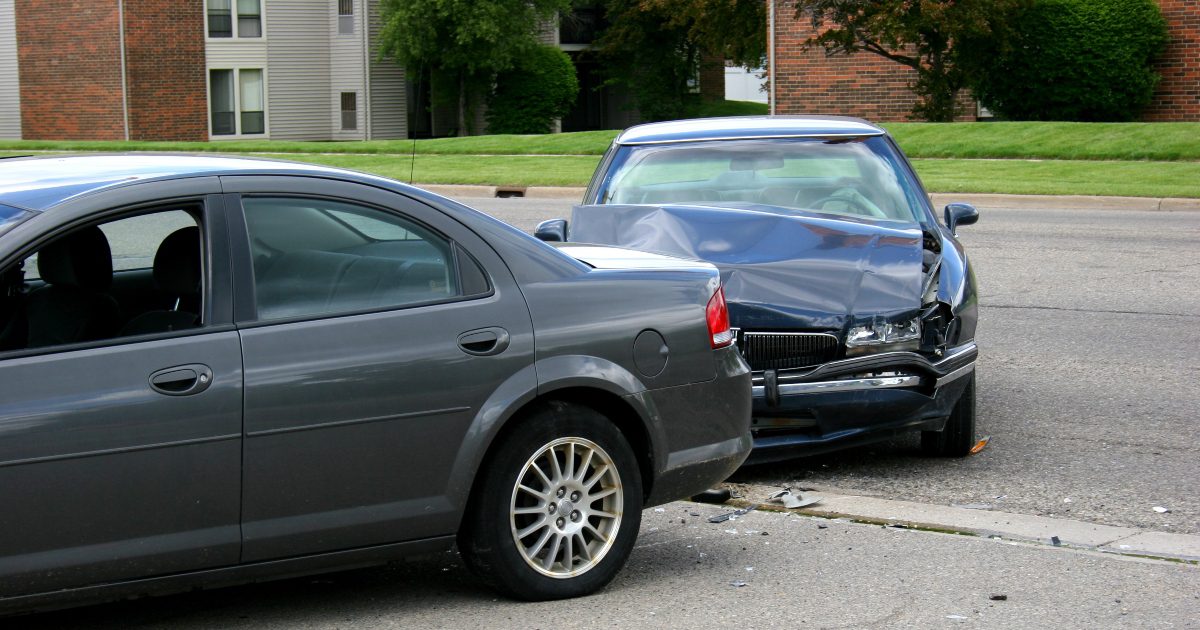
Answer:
(540, 88)
(1086, 60)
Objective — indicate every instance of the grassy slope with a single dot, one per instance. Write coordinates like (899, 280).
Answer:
(1127, 159)
(1064, 141)
(1047, 177)
(1058, 141)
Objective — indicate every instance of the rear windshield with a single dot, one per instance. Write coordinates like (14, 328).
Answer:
(862, 177)
(10, 216)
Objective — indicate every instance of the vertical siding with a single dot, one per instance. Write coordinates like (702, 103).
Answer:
(10, 89)
(347, 71)
(298, 69)
(389, 96)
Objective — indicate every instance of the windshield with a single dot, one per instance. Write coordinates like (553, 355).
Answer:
(860, 177)
(10, 216)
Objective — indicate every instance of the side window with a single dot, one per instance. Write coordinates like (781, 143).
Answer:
(315, 256)
(130, 276)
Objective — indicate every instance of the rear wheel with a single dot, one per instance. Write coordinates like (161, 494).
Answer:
(958, 437)
(558, 506)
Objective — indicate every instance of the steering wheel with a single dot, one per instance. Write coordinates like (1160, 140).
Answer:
(854, 199)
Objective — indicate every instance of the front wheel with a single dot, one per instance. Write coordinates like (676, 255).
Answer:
(557, 508)
(958, 436)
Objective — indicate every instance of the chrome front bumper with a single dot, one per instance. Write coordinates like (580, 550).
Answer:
(882, 371)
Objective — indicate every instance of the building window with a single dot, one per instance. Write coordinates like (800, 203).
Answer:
(238, 106)
(220, 18)
(253, 114)
(345, 17)
(224, 121)
(223, 14)
(349, 111)
(249, 18)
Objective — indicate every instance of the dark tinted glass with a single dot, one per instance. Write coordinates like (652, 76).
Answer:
(315, 257)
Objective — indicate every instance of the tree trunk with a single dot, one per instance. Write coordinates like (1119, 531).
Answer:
(462, 103)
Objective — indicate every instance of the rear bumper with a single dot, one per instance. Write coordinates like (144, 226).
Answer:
(706, 428)
(855, 401)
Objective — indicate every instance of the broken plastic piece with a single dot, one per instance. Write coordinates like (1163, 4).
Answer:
(1160, 509)
(721, 518)
(980, 444)
(792, 501)
(716, 495)
(738, 583)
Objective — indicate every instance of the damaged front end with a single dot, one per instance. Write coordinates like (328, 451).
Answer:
(854, 330)
(888, 375)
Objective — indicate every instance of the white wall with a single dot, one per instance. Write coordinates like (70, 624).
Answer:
(10, 89)
(745, 85)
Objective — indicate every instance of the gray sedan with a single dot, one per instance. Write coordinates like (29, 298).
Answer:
(216, 370)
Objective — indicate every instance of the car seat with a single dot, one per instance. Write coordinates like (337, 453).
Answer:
(176, 273)
(72, 306)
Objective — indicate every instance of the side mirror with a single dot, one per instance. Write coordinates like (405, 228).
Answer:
(552, 231)
(960, 214)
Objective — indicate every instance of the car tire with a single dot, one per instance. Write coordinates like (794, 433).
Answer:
(958, 437)
(557, 506)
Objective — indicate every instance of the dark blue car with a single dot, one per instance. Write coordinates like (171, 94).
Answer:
(854, 305)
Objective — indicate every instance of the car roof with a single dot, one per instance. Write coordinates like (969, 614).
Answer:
(39, 183)
(748, 127)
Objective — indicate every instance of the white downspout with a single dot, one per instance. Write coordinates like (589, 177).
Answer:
(771, 51)
(124, 85)
(366, 48)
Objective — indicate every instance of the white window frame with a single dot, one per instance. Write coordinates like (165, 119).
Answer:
(233, 12)
(237, 106)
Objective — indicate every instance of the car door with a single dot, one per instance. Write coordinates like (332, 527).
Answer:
(120, 455)
(373, 330)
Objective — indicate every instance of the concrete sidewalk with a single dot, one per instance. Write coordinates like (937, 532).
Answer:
(992, 524)
(1044, 202)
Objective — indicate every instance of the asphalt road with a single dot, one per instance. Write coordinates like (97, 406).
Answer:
(1090, 353)
(763, 570)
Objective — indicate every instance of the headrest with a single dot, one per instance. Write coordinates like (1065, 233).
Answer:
(177, 262)
(81, 259)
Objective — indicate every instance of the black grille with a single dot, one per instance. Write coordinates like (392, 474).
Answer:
(780, 351)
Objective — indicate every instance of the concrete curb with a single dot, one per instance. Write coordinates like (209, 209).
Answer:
(1018, 202)
(1019, 527)
(1067, 202)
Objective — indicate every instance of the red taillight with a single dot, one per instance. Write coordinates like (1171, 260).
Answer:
(717, 314)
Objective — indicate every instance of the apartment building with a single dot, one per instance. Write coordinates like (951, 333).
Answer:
(197, 70)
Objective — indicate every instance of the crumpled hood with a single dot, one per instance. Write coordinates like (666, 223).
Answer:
(805, 270)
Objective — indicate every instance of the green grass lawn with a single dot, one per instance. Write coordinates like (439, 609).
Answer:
(511, 170)
(1048, 177)
(1054, 141)
(1062, 177)
(1124, 159)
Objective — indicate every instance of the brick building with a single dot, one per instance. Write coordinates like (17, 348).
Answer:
(196, 70)
(868, 86)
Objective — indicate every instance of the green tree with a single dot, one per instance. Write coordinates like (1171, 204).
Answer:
(468, 40)
(939, 39)
(541, 87)
(1086, 60)
(654, 46)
